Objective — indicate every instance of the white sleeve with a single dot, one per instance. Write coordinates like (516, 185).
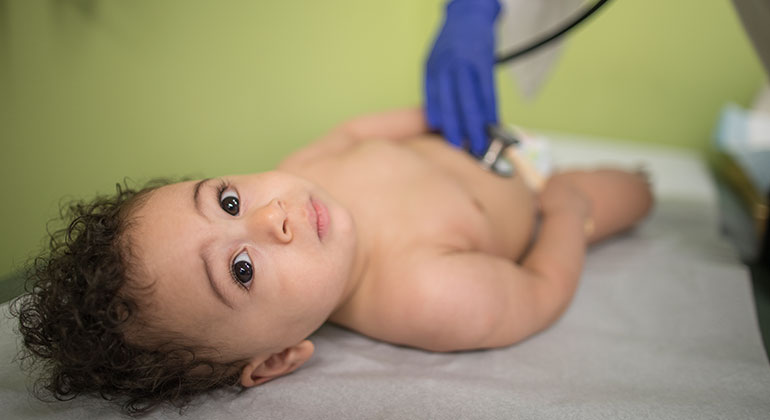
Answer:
(522, 21)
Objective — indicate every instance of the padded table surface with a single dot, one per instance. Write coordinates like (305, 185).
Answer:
(662, 326)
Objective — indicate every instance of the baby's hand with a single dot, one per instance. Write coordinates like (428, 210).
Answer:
(560, 194)
(617, 199)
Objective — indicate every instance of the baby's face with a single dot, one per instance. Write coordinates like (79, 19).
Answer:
(247, 264)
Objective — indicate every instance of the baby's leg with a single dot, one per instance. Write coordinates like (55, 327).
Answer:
(618, 198)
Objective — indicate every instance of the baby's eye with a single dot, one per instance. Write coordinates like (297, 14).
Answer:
(228, 200)
(242, 271)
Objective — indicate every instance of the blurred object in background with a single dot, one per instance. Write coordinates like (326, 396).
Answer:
(741, 161)
(755, 16)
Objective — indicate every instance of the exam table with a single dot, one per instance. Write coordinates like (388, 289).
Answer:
(662, 326)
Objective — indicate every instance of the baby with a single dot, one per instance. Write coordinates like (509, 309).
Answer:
(378, 227)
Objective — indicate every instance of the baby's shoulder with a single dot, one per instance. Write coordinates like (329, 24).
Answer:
(327, 147)
(406, 303)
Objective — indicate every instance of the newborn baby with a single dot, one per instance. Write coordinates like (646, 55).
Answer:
(378, 227)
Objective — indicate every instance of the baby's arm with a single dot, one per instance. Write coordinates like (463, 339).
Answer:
(399, 124)
(469, 300)
(396, 125)
(618, 198)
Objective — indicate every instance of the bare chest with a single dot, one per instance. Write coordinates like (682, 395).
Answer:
(424, 195)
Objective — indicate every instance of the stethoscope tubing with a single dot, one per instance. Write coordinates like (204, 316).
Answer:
(546, 39)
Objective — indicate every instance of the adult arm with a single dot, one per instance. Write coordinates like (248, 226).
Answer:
(459, 78)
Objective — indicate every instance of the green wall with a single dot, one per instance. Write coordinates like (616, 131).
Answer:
(94, 91)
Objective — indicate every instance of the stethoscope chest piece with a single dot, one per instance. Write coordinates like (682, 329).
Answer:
(503, 167)
(494, 159)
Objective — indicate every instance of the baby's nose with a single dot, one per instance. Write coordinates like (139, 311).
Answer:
(270, 222)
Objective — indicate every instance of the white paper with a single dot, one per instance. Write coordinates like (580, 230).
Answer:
(521, 22)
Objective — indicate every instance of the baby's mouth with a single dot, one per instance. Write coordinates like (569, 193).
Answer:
(321, 221)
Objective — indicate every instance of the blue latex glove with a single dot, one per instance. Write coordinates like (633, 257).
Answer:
(459, 79)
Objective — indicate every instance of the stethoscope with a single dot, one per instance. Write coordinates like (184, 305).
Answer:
(557, 33)
(495, 158)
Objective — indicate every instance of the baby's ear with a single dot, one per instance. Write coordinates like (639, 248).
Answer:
(261, 369)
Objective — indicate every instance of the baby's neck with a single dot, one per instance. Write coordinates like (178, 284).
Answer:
(358, 272)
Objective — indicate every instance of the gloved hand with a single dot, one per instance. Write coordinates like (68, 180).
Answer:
(459, 79)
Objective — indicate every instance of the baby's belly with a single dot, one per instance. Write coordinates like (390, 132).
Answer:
(436, 195)
(507, 204)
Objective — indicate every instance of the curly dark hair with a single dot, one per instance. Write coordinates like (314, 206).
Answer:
(74, 315)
